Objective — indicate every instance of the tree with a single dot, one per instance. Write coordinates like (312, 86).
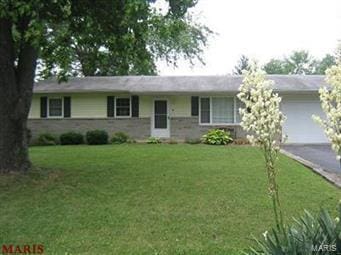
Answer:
(262, 117)
(331, 104)
(276, 66)
(243, 64)
(81, 37)
(325, 63)
(300, 62)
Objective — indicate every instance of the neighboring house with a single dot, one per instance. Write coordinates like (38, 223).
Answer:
(176, 107)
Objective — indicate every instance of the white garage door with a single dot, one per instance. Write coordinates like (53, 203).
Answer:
(299, 126)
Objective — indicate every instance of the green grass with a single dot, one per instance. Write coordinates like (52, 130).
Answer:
(151, 199)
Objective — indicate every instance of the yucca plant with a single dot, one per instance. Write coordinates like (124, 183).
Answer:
(308, 235)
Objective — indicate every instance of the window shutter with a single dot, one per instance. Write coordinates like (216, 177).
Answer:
(205, 114)
(195, 106)
(135, 106)
(110, 106)
(67, 107)
(43, 107)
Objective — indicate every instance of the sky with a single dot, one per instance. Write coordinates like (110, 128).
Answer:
(261, 30)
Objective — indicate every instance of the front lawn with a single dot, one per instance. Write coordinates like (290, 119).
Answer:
(150, 199)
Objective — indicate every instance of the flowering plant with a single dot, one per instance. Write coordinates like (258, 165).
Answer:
(263, 120)
(331, 104)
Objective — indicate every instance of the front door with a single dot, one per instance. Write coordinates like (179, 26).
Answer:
(160, 120)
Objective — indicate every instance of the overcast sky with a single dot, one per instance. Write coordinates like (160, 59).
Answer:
(262, 29)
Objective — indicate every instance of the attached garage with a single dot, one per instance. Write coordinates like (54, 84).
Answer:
(299, 126)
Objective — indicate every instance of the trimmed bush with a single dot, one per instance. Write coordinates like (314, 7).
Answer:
(154, 140)
(70, 138)
(217, 137)
(94, 137)
(46, 139)
(119, 138)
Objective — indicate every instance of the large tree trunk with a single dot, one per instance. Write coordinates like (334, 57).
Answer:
(17, 70)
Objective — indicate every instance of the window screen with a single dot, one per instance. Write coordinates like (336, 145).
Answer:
(55, 107)
(123, 107)
(204, 110)
(222, 110)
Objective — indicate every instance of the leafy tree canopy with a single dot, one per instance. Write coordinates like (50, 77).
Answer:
(299, 62)
(106, 37)
(243, 64)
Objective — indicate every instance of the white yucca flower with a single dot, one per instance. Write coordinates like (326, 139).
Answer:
(331, 105)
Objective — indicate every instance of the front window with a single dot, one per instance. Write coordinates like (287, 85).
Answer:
(222, 110)
(219, 110)
(122, 107)
(55, 107)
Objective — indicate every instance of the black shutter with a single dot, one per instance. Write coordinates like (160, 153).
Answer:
(111, 106)
(195, 106)
(135, 106)
(67, 107)
(43, 107)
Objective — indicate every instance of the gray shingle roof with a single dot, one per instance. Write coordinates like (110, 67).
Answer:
(175, 84)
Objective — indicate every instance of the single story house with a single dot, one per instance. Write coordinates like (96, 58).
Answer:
(175, 107)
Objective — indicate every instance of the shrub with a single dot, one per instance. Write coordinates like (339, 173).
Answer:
(131, 140)
(46, 139)
(241, 141)
(217, 137)
(94, 137)
(192, 140)
(71, 138)
(171, 141)
(308, 235)
(154, 140)
(119, 137)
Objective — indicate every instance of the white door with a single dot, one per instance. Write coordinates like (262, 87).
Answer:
(160, 119)
(299, 125)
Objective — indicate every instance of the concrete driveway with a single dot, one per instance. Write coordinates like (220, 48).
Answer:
(319, 154)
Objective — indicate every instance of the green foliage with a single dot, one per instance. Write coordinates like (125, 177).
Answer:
(192, 140)
(97, 137)
(299, 62)
(324, 64)
(276, 66)
(243, 64)
(309, 235)
(105, 37)
(153, 140)
(71, 138)
(131, 140)
(119, 137)
(46, 139)
(118, 185)
(217, 137)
